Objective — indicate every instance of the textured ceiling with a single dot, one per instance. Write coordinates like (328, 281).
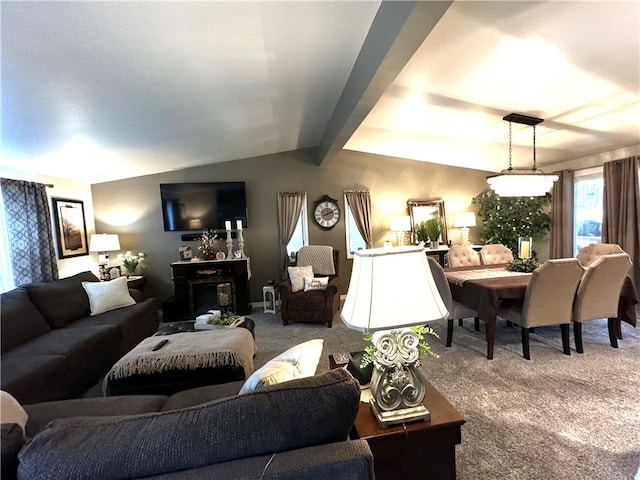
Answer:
(96, 91)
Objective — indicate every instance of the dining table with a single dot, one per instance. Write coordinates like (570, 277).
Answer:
(484, 288)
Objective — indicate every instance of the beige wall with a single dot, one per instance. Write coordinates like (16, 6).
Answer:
(132, 207)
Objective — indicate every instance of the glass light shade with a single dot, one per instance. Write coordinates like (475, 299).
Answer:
(465, 219)
(391, 288)
(401, 223)
(522, 183)
(104, 242)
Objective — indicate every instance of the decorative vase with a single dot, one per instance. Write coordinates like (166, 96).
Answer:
(434, 245)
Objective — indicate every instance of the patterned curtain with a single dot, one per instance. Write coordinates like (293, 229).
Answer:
(360, 204)
(289, 207)
(33, 257)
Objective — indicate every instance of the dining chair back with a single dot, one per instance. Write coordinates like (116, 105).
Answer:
(455, 309)
(589, 254)
(598, 295)
(495, 253)
(548, 300)
(462, 256)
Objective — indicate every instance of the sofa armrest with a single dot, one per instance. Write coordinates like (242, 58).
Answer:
(285, 289)
(333, 287)
(136, 294)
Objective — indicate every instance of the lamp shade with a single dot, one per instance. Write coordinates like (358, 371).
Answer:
(400, 223)
(104, 242)
(391, 288)
(517, 183)
(465, 219)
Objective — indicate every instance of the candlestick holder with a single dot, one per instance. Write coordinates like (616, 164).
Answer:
(229, 244)
(241, 243)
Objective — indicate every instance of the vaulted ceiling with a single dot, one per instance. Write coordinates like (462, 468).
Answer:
(97, 91)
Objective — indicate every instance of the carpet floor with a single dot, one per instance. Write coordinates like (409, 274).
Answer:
(558, 417)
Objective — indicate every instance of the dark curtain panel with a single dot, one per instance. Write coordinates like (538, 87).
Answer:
(33, 253)
(289, 207)
(561, 244)
(621, 199)
(360, 205)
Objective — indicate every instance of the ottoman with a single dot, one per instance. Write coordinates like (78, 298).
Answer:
(187, 360)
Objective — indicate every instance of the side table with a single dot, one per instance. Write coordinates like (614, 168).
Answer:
(136, 281)
(416, 450)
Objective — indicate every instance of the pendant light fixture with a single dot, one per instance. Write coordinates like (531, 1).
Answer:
(514, 182)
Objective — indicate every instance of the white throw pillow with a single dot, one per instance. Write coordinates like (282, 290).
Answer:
(315, 283)
(11, 411)
(105, 296)
(297, 362)
(297, 274)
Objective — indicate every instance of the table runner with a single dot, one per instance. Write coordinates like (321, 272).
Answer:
(459, 277)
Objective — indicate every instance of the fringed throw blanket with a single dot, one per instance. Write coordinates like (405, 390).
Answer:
(188, 351)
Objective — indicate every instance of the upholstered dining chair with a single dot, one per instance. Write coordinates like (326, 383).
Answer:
(589, 254)
(456, 309)
(311, 293)
(461, 256)
(598, 295)
(495, 253)
(548, 300)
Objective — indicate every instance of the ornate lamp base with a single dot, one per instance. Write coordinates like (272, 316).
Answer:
(387, 418)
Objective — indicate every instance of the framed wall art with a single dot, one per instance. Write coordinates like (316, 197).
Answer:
(71, 230)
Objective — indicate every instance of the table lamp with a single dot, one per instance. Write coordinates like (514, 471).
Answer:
(390, 290)
(103, 243)
(400, 224)
(464, 221)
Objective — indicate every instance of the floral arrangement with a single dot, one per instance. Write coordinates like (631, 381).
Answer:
(423, 347)
(131, 261)
(226, 318)
(208, 244)
(526, 265)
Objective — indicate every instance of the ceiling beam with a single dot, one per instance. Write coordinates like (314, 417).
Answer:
(397, 31)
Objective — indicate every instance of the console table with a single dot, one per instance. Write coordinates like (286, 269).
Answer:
(195, 286)
(416, 450)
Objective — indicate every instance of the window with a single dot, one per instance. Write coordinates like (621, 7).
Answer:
(588, 210)
(300, 236)
(353, 236)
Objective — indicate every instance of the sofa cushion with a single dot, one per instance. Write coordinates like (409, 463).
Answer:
(21, 321)
(10, 443)
(300, 413)
(106, 296)
(76, 345)
(22, 376)
(62, 301)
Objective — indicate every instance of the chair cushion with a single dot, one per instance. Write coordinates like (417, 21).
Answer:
(21, 321)
(61, 302)
(297, 276)
(309, 411)
(298, 362)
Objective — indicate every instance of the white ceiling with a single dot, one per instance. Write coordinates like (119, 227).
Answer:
(97, 91)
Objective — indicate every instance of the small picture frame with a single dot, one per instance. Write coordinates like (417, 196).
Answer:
(186, 254)
(71, 230)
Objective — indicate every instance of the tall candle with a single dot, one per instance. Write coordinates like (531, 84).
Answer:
(239, 224)
(524, 249)
(227, 224)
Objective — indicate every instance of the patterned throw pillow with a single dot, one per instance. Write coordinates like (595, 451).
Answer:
(315, 283)
(297, 274)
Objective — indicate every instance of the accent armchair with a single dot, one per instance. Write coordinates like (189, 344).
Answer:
(460, 256)
(495, 253)
(598, 295)
(306, 303)
(548, 300)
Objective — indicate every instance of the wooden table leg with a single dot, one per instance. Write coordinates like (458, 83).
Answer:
(490, 328)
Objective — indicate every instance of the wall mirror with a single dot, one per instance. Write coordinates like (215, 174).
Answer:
(420, 210)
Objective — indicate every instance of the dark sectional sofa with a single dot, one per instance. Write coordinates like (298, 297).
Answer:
(52, 348)
(294, 430)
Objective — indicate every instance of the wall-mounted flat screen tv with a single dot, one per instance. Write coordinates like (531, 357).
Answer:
(195, 206)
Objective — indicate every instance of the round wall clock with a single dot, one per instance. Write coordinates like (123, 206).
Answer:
(326, 212)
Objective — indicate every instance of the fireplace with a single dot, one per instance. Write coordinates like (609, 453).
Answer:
(211, 293)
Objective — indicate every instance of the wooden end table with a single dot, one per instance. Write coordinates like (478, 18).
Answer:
(416, 450)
